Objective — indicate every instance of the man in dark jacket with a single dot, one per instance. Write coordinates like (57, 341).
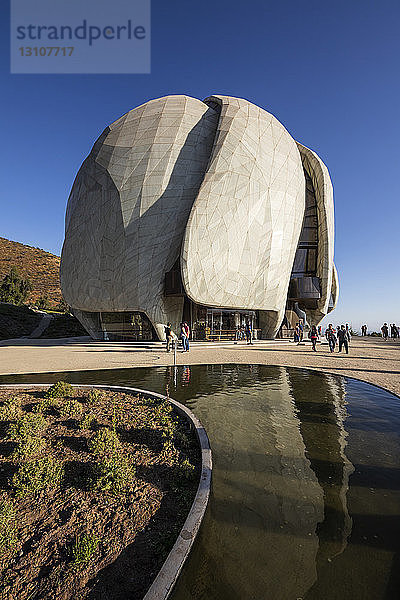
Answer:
(343, 338)
(331, 337)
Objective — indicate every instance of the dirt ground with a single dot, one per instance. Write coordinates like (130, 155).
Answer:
(369, 359)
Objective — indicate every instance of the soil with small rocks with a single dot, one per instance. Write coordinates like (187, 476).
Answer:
(134, 530)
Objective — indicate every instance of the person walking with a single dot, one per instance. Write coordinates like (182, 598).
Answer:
(296, 334)
(385, 331)
(168, 335)
(363, 330)
(331, 337)
(348, 333)
(248, 332)
(314, 337)
(343, 338)
(301, 330)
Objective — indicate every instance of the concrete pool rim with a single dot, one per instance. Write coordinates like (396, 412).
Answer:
(166, 578)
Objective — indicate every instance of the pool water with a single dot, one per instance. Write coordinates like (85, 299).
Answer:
(305, 501)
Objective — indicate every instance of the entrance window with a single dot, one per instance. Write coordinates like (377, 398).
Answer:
(214, 324)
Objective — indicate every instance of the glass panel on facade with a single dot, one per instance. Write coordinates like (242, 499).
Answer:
(311, 221)
(214, 324)
(305, 262)
(119, 326)
(300, 261)
(311, 260)
(309, 234)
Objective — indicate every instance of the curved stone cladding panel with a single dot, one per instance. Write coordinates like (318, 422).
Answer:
(244, 226)
(335, 288)
(321, 180)
(129, 206)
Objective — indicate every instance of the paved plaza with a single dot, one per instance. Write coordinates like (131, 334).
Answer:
(370, 359)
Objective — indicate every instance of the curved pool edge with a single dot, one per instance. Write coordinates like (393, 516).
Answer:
(166, 578)
(318, 369)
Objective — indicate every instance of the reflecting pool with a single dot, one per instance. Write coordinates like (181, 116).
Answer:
(306, 489)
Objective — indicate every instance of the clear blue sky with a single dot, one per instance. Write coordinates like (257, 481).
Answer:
(329, 71)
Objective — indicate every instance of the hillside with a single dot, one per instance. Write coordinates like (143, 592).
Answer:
(42, 268)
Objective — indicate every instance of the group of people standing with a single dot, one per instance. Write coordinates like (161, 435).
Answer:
(184, 335)
(394, 331)
(341, 335)
(298, 332)
(333, 336)
(244, 332)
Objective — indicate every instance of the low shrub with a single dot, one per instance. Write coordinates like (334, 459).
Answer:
(162, 416)
(36, 475)
(83, 549)
(71, 409)
(183, 440)
(44, 405)
(27, 425)
(8, 532)
(187, 469)
(94, 396)
(87, 422)
(60, 389)
(169, 454)
(169, 431)
(11, 409)
(180, 474)
(29, 447)
(104, 443)
(113, 475)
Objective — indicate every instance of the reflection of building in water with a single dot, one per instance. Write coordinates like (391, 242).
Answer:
(266, 501)
(322, 413)
(343, 472)
(295, 487)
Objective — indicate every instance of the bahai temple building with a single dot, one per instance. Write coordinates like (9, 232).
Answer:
(202, 211)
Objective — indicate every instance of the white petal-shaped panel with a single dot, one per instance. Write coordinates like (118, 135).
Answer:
(335, 288)
(129, 206)
(244, 226)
